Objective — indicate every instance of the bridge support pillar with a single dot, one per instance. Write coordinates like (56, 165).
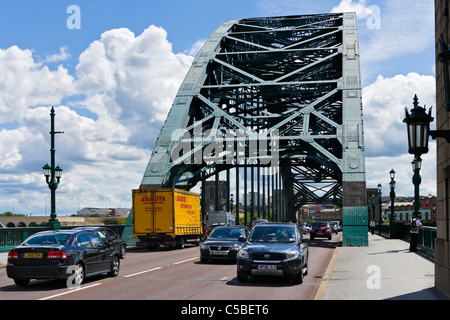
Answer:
(354, 215)
(354, 199)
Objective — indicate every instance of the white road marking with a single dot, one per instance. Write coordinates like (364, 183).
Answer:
(184, 260)
(135, 274)
(70, 291)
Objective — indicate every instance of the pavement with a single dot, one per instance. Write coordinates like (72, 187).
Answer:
(384, 270)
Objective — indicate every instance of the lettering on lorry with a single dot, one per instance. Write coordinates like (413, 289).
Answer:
(148, 200)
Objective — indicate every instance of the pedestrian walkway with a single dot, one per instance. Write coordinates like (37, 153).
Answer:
(385, 269)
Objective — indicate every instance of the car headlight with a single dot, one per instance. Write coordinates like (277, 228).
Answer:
(204, 247)
(243, 254)
(292, 255)
(236, 247)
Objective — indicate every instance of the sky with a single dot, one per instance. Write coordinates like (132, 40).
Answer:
(111, 69)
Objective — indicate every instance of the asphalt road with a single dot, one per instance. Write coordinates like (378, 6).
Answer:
(178, 274)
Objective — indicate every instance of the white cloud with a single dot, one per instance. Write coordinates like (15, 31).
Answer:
(378, 168)
(383, 106)
(25, 83)
(129, 83)
(57, 57)
(132, 79)
(385, 134)
(406, 26)
(360, 7)
(195, 48)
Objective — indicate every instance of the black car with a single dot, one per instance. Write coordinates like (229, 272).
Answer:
(110, 237)
(274, 249)
(61, 254)
(223, 243)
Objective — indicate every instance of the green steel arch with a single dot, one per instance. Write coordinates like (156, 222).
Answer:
(280, 94)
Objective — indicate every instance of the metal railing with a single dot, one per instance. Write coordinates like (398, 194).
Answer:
(11, 237)
(425, 241)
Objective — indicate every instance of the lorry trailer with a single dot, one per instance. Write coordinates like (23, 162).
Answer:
(169, 217)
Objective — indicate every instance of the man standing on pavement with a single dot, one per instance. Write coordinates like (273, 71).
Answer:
(415, 225)
(372, 226)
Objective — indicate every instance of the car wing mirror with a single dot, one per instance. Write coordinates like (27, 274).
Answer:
(305, 240)
(241, 239)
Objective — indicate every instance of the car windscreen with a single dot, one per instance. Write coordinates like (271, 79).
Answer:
(273, 234)
(226, 233)
(319, 224)
(46, 239)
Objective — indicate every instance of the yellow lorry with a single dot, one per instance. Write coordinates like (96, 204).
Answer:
(169, 217)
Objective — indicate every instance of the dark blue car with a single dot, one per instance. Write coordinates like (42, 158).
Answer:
(223, 243)
(62, 254)
(274, 250)
(110, 237)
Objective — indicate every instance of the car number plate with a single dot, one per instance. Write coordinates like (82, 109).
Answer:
(319, 233)
(267, 267)
(220, 253)
(33, 255)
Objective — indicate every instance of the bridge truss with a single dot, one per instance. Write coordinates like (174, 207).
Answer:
(280, 97)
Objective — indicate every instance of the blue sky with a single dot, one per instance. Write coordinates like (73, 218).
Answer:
(113, 81)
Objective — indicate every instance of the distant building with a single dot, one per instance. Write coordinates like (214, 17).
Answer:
(104, 212)
(404, 210)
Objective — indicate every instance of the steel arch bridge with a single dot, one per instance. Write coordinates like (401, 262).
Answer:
(281, 95)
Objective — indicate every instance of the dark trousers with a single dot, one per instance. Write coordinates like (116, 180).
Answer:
(413, 244)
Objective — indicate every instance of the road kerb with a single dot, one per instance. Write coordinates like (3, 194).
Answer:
(324, 283)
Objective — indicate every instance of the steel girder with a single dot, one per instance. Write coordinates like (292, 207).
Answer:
(292, 82)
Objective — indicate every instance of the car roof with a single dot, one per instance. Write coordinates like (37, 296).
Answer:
(230, 227)
(86, 228)
(65, 231)
(275, 224)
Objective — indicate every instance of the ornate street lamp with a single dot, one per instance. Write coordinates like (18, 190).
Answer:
(379, 204)
(392, 194)
(416, 165)
(373, 206)
(418, 124)
(231, 203)
(52, 174)
(392, 225)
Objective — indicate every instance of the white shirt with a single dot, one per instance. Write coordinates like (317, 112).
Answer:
(418, 223)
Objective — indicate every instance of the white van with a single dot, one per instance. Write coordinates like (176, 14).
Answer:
(220, 217)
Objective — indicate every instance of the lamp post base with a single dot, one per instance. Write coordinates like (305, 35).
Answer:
(393, 234)
(54, 224)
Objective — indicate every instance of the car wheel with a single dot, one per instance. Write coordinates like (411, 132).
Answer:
(79, 274)
(123, 252)
(115, 267)
(180, 243)
(305, 267)
(21, 282)
(298, 278)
